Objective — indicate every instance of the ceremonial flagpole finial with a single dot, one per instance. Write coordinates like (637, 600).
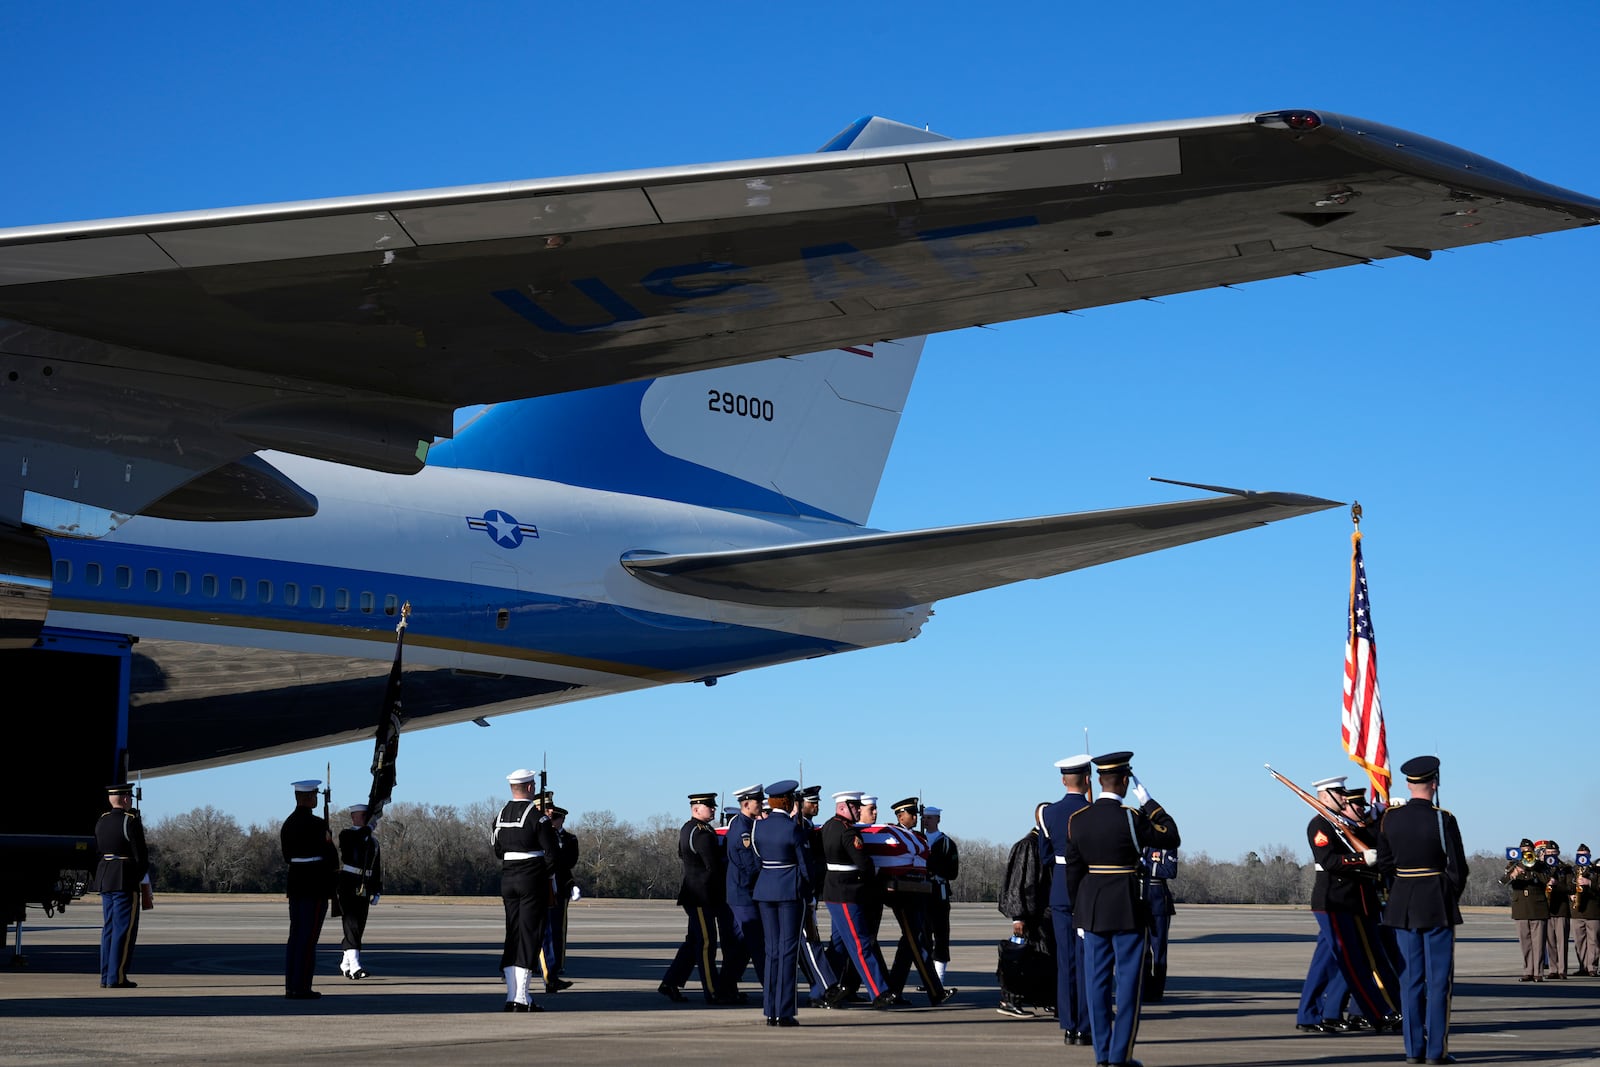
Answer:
(1355, 513)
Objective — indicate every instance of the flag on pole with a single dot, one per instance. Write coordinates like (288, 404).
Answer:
(1363, 730)
(386, 743)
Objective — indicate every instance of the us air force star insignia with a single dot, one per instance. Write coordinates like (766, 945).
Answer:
(504, 530)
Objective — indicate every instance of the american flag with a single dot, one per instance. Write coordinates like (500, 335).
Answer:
(1363, 712)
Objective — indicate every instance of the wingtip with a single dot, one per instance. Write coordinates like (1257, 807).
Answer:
(1315, 503)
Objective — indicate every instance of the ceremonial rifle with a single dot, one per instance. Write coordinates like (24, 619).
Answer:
(1341, 825)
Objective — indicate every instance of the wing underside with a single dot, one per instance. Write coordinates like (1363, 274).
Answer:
(142, 353)
(897, 570)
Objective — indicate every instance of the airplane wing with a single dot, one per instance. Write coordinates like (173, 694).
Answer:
(897, 570)
(152, 353)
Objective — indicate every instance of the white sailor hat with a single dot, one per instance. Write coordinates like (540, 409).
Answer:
(847, 794)
(521, 776)
(868, 798)
(749, 792)
(1078, 764)
(310, 785)
(929, 809)
(352, 809)
(1336, 782)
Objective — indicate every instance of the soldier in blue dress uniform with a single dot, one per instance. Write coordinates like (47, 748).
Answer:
(780, 844)
(702, 895)
(848, 889)
(1103, 855)
(118, 877)
(1419, 843)
(1072, 1010)
(742, 942)
(313, 865)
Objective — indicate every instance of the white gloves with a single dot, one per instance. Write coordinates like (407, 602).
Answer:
(1370, 857)
(1139, 790)
(577, 894)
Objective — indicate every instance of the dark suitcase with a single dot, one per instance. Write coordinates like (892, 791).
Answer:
(1026, 970)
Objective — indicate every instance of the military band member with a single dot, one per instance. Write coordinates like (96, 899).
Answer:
(742, 941)
(1585, 914)
(1559, 894)
(820, 970)
(779, 843)
(1530, 907)
(944, 866)
(360, 885)
(847, 888)
(119, 878)
(1105, 845)
(313, 865)
(525, 844)
(562, 886)
(702, 895)
(1072, 1009)
(1420, 844)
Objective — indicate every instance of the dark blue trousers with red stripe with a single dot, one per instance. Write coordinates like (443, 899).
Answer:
(1362, 961)
(853, 941)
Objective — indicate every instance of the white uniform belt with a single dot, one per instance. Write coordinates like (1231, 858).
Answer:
(114, 856)
(765, 866)
(347, 869)
(1318, 866)
(1061, 860)
(842, 867)
(306, 859)
(523, 855)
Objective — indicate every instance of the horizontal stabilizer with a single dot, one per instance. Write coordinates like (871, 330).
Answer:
(897, 570)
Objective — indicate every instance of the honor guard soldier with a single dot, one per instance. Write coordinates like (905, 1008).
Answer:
(313, 864)
(564, 887)
(820, 971)
(702, 895)
(907, 890)
(119, 877)
(742, 942)
(360, 885)
(1072, 1009)
(525, 844)
(944, 865)
(1104, 852)
(848, 889)
(779, 843)
(1420, 845)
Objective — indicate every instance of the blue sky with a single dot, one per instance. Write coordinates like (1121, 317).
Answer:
(1454, 398)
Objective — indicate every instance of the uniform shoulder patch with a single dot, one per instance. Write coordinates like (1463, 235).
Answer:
(1320, 840)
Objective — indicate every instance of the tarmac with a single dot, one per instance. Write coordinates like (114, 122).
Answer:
(210, 989)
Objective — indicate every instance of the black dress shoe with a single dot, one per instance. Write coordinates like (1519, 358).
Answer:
(772, 1022)
(510, 1007)
(1311, 1028)
(124, 984)
(1339, 1026)
(549, 987)
(1446, 1058)
(789, 1021)
(1360, 1022)
(883, 1001)
(834, 996)
(1413, 1059)
(728, 999)
(304, 994)
(944, 995)
(530, 1006)
(672, 993)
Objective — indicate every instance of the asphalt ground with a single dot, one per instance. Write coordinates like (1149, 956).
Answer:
(211, 990)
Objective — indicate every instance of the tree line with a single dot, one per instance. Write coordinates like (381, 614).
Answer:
(438, 849)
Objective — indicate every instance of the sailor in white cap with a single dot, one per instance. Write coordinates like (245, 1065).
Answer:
(944, 864)
(360, 885)
(743, 944)
(525, 843)
(869, 810)
(308, 849)
(1072, 1010)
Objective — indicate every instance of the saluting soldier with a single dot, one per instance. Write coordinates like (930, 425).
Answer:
(1103, 854)
(1420, 844)
(742, 941)
(360, 885)
(119, 878)
(848, 889)
(525, 844)
(313, 866)
(1072, 1008)
(779, 844)
(563, 883)
(944, 866)
(702, 895)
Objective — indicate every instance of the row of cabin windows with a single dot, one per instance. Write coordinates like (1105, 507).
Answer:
(237, 588)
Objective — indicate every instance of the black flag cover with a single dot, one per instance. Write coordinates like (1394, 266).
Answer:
(386, 744)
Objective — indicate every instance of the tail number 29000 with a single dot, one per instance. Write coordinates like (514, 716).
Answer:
(749, 407)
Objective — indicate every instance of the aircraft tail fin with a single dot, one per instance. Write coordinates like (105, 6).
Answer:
(804, 434)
